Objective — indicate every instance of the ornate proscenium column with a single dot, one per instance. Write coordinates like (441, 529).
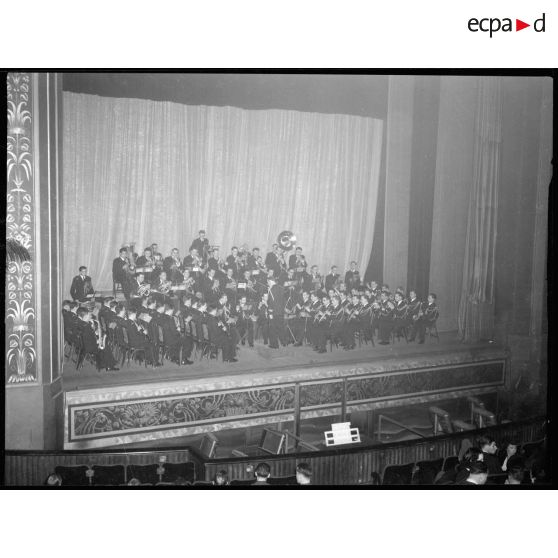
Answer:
(33, 357)
(21, 341)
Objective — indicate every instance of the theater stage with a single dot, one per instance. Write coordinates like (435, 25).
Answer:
(138, 404)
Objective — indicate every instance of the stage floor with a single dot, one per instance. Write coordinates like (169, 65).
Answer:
(263, 360)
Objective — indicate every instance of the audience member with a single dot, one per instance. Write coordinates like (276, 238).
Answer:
(53, 480)
(478, 474)
(489, 448)
(221, 478)
(516, 473)
(303, 474)
(262, 472)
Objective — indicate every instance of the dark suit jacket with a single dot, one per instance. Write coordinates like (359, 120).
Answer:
(330, 281)
(199, 246)
(276, 300)
(81, 287)
(352, 279)
(88, 337)
(118, 273)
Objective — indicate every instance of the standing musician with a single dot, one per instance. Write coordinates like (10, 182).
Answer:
(201, 245)
(385, 319)
(211, 287)
(250, 290)
(365, 317)
(263, 317)
(138, 338)
(229, 318)
(414, 308)
(218, 335)
(172, 265)
(92, 341)
(352, 320)
(352, 277)
(276, 304)
(245, 321)
(81, 285)
(332, 279)
(336, 325)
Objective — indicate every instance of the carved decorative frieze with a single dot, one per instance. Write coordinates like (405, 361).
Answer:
(21, 364)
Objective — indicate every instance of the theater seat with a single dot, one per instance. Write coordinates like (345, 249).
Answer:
(144, 473)
(398, 474)
(108, 475)
(282, 481)
(426, 471)
(175, 470)
(73, 476)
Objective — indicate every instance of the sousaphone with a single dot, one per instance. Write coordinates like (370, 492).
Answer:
(286, 240)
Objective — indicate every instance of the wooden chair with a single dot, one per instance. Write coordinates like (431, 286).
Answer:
(426, 471)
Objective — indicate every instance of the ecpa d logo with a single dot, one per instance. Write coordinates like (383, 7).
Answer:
(493, 25)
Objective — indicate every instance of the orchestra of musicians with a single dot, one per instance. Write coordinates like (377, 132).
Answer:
(171, 303)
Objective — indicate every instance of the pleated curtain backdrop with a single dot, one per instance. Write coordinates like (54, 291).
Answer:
(476, 309)
(146, 171)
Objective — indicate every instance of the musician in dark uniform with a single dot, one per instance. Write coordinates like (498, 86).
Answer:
(400, 318)
(352, 277)
(172, 265)
(233, 262)
(252, 259)
(298, 262)
(263, 317)
(201, 245)
(104, 357)
(70, 322)
(138, 339)
(218, 335)
(414, 308)
(274, 261)
(276, 303)
(213, 259)
(146, 260)
(171, 336)
(427, 317)
(81, 285)
(245, 323)
(120, 271)
(332, 279)
(385, 320)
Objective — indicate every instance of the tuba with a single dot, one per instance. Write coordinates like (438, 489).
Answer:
(286, 240)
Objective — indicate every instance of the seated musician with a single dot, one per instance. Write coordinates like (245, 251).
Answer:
(91, 344)
(385, 319)
(365, 317)
(81, 285)
(105, 311)
(294, 323)
(211, 286)
(274, 260)
(173, 267)
(171, 336)
(155, 252)
(162, 287)
(320, 325)
(250, 290)
(400, 319)
(352, 319)
(374, 289)
(219, 336)
(230, 284)
(146, 260)
(120, 269)
(312, 281)
(213, 259)
(138, 338)
(337, 327)
(70, 322)
(138, 289)
(331, 279)
(245, 323)
(297, 262)
(288, 280)
(233, 262)
(427, 316)
(252, 259)
(352, 277)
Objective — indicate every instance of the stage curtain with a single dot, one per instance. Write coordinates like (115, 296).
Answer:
(146, 171)
(452, 185)
(476, 309)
